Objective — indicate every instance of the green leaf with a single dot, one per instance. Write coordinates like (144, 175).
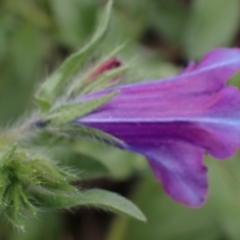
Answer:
(92, 198)
(78, 131)
(7, 156)
(67, 113)
(54, 84)
(111, 202)
(211, 24)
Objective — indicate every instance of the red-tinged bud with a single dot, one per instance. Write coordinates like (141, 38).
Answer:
(106, 66)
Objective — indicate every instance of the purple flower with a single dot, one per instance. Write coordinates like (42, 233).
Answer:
(174, 121)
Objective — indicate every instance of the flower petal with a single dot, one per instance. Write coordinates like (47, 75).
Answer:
(183, 95)
(212, 122)
(178, 165)
(173, 121)
(172, 108)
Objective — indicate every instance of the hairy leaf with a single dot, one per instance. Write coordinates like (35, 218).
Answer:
(54, 84)
(67, 113)
(93, 198)
(7, 156)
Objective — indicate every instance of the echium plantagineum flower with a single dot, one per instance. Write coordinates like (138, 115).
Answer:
(174, 121)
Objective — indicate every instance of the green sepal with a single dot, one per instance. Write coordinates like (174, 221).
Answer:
(102, 81)
(15, 218)
(5, 180)
(12, 205)
(18, 174)
(79, 131)
(67, 113)
(51, 88)
(80, 83)
(7, 156)
(4, 183)
(96, 198)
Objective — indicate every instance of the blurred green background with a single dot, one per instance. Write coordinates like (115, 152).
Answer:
(162, 36)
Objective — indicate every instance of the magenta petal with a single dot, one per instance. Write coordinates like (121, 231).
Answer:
(186, 95)
(179, 166)
(173, 121)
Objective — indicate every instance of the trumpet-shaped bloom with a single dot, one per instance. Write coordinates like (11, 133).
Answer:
(174, 121)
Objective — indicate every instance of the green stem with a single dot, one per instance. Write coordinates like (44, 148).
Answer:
(16, 134)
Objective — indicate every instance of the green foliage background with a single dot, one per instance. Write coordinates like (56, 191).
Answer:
(162, 35)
